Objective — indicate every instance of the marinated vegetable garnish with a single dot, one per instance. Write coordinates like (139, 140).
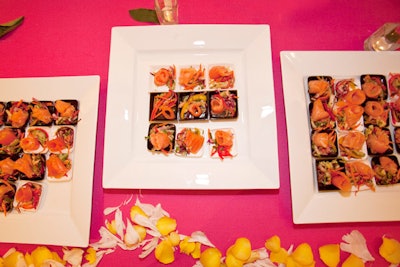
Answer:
(165, 77)
(374, 86)
(32, 166)
(376, 113)
(344, 86)
(41, 112)
(320, 87)
(17, 114)
(63, 140)
(360, 174)
(378, 140)
(9, 141)
(394, 105)
(28, 196)
(7, 194)
(192, 78)
(326, 170)
(394, 83)
(66, 112)
(351, 145)
(348, 116)
(35, 141)
(323, 144)
(221, 143)
(386, 170)
(163, 106)
(223, 104)
(321, 117)
(7, 169)
(189, 141)
(161, 137)
(355, 97)
(58, 165)
(193, 106)
(222, 77)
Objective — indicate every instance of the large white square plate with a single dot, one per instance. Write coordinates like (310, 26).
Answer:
(128, 163)
(309, 205)
(65, 213)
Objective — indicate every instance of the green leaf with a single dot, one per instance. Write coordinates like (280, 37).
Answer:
(144, 15)
(10, 26)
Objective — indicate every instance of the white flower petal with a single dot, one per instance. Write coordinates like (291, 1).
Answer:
(145, 222)
(200, 237)
(52, 263)
(131, 236)
(149, 247)
(8, 252)
(119, 223)
(357, 245)
(73, 256)
(107, 240)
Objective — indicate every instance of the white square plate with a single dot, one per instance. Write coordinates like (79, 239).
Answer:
(65, 211)
(134, 50)
(309, 205)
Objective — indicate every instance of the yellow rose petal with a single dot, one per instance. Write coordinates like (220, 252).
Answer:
(14, 259)
(1, 262)
(211, 257)
(40, 254)
(28, 259)
(197, 251)
(330, 254)
(166, 225)
(174, 238)
(390, 250)
(353, 261)
(303, 254)
(90, 255)
(279, 256)
(241, 249)
(136, 210)
(186, 247)
(112, 227)
(273, 243)
(165, 252)
(232, 261)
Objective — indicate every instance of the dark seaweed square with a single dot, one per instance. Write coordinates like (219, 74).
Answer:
(323, 172)
(37, 121)
(17, 114)
(386, 169)
(155, 129)
(39, 167)
(320, 151)
(163, 106)
(325, 95)
(223, 104)
(193, 106)
(70, 118)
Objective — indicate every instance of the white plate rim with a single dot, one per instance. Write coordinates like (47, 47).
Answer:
(68, 225)
(130, 42)
(309, 205)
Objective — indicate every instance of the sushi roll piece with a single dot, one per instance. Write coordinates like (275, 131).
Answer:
(321, 116)
(163, 78)
(223, 104)
(27, 196)
(17, 114)
(31, 166)
(7, 194)
(41, 113)
(329, 173)
(192, 78)
(161, 137)
(193, 106)
(394, 83)
(376, 113)
(163, 106)
(66, 112)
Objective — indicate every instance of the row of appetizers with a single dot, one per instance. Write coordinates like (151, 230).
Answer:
(199, 105)
(192, 77)
(190, 142)
(20, 113)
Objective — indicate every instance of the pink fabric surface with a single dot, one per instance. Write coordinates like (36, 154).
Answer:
(72, 37)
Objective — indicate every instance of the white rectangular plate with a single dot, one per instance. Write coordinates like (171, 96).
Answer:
(65, 212)
(128, 163)
(309, 205)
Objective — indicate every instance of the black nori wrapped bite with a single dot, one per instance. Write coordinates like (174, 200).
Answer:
(31, 166)
(193, 106)
(161, 137)
(66, 112)
(223, 104)
(41, 113)
(163, 106)
(7, 194)
(17, 114)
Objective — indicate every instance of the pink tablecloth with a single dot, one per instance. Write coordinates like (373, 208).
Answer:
(73, 38)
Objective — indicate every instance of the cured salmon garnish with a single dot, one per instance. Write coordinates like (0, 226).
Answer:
(7, 166)
(221, 77)
(318, 111)
(7, 136)
(25, 165)
(40, 113)
(191, 78)
(56, 167)
(165, 77)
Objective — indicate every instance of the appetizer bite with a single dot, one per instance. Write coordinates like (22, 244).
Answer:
(352, 145)
(360, 174)
(66, 112)
(165, 77)
(374, 86)
(321, 116)
(2, 113)
(163, 106)
(7, 169)
(397, 138)
(193, 106)
(189, 141)
(59, 167)
(331, 174)
(28, 196)
(394, 83)
(394, 106)
(223, 104)
(62, 140)
(7, 194)
(221, 77)
(41, 113)
(376, 113)
(386, 170)
(31, 166)
(320, 87)
(9, 141)
(378, 140)
(191, 78)
(348, 116)
(35, 140)
(161, 137)
(344, 86)
(17, 114)
(222, 142)
(323, 144)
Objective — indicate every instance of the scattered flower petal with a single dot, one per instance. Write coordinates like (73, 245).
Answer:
(166, 225)
(131, 237)
(211, 257)
(390, 250)
(353, 261)
(303, 254)
(357, 245)
(14, 258)
(73, 256)
(241, 250)
(199, 236)
(91, 255)
(273, 243)
(149, 247)
(330, 254)
(108, 240)
(165, 252)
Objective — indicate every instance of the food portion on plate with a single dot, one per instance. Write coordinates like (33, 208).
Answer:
(353, 130)
(163, 106)
(161, 137)
(192, 78)
(193, 106)
(223, 104)
(222, 142)
(189, 142)
(221, 77)
(36, 147)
